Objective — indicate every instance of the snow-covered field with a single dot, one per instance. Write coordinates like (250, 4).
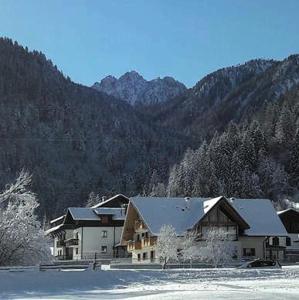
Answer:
(152, 284)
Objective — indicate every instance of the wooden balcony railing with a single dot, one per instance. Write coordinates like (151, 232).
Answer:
(148, 242)
(72, 242)
(134, 245)
(143, 243)
(60, 243)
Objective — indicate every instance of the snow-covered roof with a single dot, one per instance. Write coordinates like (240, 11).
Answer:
(209, 204)
(106, 201)
(57, 219)
(94, 214)
(116, 212)
(281, 212)
(183, 214)
(83, 213)
(178, 212)
(261, 217)
(53, 229)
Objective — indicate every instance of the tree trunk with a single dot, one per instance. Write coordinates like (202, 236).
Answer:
(164, 264)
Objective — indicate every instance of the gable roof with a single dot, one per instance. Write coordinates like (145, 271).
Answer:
(282, 212)
(157, 211)
(116, 212)
(104, 203)
(83, 213)
(57, 219)
(261, 216)
(184, 213)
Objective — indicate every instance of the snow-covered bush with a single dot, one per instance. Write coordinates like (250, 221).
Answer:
(22, 241)
(218, 249)
(167, 244)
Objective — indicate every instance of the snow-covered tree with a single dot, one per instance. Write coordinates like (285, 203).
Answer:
(22, 241)
(93, 199)
(167, 245)
(189, 247)
(218, 249)
(158, 190)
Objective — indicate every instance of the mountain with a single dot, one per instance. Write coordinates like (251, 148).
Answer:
(72, 138)
(75, 139)
(134, 89)
(230, 94)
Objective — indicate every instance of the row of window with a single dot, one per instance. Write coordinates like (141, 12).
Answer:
(142, 236)
(144, 256)
(104, 234)
(103, 250)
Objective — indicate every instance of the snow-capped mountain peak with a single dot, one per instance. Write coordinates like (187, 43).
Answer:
(133, 88)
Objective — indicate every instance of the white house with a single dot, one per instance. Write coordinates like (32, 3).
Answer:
(250, 222)
(87, 233)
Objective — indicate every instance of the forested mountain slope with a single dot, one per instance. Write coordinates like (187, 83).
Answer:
(230, 94)
(73, 139)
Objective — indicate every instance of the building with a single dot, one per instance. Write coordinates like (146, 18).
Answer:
(251, 223)
(290, 220)
(87, 233)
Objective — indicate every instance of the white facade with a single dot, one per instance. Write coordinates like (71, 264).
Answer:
(96, 242)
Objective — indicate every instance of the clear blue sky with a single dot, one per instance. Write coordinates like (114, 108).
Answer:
(186, 39)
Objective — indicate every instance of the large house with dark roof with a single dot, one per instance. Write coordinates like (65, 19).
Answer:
(252, 224)
(290, 220)
(87, 233)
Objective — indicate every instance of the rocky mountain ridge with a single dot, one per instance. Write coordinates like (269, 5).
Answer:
(134, 89)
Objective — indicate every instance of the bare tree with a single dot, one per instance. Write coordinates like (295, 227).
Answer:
(167, 244)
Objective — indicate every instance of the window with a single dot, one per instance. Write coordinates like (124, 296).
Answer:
(104, 219)
(288, 241)
(248, 251)
(275, 241)
(77, 235)
(152, 255)
(104, 233)
(77, 251)
(144, 256)
(139, 257)
(104, 249)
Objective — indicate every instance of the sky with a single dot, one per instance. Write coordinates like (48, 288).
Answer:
(186, 39)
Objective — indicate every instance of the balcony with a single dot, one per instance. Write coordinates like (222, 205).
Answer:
(60, 243)
(134, 245)
(72, 242)
(139, 226)
(148, 242)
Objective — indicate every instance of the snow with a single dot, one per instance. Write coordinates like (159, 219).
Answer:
(108, 200)
(81, 213)
(209, 204)
(53, 229)
(183, 214)
(117, 213)
(157, 211)
(281, 212)
(261, 216)
(152, 284)
(57, 219)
